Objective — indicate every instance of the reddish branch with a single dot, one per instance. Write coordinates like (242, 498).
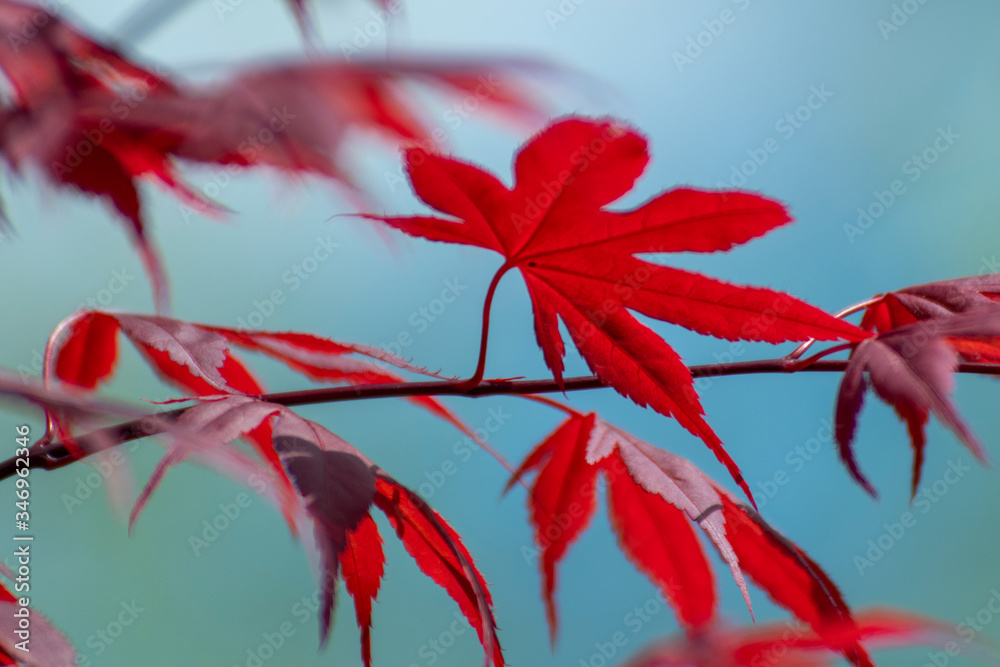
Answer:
(55, 455)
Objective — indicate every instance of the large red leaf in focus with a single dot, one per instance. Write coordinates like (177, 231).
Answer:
(654, 498)
(578, 259)
(912, 368)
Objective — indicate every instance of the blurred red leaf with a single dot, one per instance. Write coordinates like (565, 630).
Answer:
(792, 645)
(88, 117)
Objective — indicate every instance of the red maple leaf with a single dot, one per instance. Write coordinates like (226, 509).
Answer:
(911, 367)
(654, 498)
(578, 259)
(337, 487)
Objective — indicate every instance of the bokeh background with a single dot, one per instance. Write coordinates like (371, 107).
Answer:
(890, 89)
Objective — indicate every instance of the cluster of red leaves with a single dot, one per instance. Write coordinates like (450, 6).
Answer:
(336, 484)
(922, 333)
(86, 117)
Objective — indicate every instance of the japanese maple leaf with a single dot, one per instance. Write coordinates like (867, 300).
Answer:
(578, 259)
(937, 301)
(654, 498)
(911, 367)
(337, 487)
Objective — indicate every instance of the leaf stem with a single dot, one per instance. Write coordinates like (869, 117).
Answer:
(480, 371)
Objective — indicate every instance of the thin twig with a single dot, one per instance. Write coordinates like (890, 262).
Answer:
(56, 456)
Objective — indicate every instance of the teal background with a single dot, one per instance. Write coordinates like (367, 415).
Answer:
(891, 94)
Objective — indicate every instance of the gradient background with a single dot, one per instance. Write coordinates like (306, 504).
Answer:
(891, 94)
